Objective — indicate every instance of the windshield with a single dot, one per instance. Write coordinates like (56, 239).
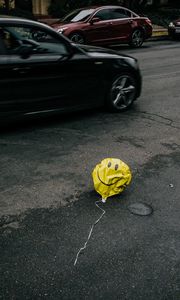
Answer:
(78, 15)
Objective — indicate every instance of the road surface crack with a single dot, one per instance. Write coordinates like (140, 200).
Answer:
(159, 119)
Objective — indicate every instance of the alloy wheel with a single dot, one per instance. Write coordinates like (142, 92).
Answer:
(123, 92)
(137, 38)
(77, 38)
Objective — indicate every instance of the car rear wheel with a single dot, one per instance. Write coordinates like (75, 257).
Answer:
(77, 38)
(122, 93)
(137, 38)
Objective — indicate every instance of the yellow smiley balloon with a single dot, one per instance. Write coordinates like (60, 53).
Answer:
(111, 177)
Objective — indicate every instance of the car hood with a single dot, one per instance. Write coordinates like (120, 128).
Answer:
(100, 52)
(57, 26)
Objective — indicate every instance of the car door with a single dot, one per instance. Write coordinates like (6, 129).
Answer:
(100, 30)
(121, 24)
(47, 78)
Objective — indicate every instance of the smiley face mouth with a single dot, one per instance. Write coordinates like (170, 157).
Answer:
(107, 184)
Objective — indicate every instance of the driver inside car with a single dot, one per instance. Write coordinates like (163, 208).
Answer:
(10, 42)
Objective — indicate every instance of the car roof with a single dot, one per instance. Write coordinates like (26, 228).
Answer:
(23, 21)
(116, 6)
(103, 6)
(97, 7)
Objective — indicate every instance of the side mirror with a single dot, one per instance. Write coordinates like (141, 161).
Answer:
(94, 20)
(27, 47)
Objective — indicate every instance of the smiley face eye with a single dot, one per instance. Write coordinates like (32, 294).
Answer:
(109, 164)
(116, 167)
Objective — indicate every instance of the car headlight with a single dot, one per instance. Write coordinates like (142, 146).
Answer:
(171, 24)
(61, 30)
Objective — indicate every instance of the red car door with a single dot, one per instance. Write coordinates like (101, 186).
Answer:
(99, 29)
(121, 24)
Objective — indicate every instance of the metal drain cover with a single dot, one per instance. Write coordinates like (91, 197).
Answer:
(141, 209)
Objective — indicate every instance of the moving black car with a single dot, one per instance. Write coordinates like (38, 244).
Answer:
(42, 71)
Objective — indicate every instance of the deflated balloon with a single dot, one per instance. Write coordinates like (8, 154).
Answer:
(111, 177)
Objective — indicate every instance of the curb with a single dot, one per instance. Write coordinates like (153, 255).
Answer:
(159, 34)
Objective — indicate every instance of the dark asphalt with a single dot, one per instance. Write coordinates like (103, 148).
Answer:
(47, 200)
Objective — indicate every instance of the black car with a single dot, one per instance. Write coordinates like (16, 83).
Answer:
(42, 71)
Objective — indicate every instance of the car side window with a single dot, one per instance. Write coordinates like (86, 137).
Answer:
(103, 15)
(40, 39)
(2, 48)
(128, 13)
(7, 39)
(120, 13)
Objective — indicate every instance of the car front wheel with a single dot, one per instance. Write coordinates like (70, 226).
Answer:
(122, 93)
(137, 38)
(77, 38)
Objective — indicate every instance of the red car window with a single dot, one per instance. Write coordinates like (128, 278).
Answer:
(119, 13)
(78, 15)
(104, 14)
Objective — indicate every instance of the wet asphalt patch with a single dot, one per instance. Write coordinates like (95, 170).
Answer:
(128, 256)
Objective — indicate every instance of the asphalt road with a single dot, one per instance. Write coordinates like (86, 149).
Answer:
(47, 199)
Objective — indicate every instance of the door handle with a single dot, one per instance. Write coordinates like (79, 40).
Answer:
(21, 70)
(130, 21)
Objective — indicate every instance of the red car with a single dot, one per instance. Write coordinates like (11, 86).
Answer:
(105, 25)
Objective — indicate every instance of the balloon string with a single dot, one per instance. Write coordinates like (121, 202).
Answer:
(90, 232)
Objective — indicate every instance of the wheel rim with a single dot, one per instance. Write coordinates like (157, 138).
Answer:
(137, 38)
(123, 92)
(77, 38)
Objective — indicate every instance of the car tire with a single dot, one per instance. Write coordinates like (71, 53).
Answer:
(77, 38)
(122, 93)
(137, 38)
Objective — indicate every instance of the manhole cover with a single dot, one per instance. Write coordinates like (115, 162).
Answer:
(140, 209)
